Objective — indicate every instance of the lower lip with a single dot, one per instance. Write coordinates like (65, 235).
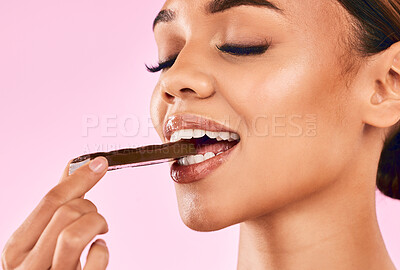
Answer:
(191, 173)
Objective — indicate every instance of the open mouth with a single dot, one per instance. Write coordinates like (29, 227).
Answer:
(215, 143)
(208, 144)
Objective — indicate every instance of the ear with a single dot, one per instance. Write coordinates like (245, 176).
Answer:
(382, 103)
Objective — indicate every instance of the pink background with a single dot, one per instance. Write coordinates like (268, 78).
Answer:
(61, 61)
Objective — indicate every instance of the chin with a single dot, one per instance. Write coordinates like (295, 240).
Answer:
(202, 223)
(202, 217)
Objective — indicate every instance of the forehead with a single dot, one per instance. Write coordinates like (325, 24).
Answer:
(318, 21)
(294, 10)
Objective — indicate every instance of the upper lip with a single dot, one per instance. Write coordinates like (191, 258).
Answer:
(191, 121)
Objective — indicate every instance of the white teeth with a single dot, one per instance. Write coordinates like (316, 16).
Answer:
(224, 135)
(219, 153)
(208, 155)
(198, 133)
(212, 134)
(186, 133)
(183, 161)
(190, 160)
(194, 159)
(174, 137)
(234, 136)
(198, 158)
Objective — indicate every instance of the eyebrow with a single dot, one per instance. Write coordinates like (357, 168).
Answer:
(216, 6)
(165, 15)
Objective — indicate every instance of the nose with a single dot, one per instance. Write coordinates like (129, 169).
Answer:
(189, 77)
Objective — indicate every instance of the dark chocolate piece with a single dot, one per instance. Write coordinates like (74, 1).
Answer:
(133, 157)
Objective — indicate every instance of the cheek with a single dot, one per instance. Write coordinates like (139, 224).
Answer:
(300, 145)
(289, 82)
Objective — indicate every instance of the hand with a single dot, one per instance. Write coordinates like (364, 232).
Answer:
(61, 226)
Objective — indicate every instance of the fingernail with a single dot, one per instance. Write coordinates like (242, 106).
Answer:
(101, 242)
(98, 164)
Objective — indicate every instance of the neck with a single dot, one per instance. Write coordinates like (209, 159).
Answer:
(326, 230)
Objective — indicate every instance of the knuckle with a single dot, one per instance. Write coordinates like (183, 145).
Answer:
(70, 239)
(67, 212)
(53, 198)
(100, 219)
(90, 205)
(83, 205)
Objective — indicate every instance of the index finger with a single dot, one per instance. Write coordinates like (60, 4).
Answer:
(66, 171)
(70, 187)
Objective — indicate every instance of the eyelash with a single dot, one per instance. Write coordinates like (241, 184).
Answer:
(237, 50)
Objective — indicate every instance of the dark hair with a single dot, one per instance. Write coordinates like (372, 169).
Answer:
(376, 25)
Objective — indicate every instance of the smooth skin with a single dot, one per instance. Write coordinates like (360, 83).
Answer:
(61, 226)
(303, 202)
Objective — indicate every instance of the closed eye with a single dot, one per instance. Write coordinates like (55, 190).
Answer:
(162, 65)
(241, 50)
(237, 50)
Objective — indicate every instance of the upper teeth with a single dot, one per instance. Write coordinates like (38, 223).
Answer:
(198, 133)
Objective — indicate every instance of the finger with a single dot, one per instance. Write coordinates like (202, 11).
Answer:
(73, 186)
(73, 240)
(98, 255)
(41, 256)
(80, 182)
(65, 172)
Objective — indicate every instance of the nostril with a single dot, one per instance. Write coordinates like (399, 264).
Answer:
(168, 96)
(187, 90)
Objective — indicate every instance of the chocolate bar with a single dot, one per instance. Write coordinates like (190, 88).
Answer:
(141, 156)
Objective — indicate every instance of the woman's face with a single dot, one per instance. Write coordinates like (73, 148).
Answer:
(298, 124)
